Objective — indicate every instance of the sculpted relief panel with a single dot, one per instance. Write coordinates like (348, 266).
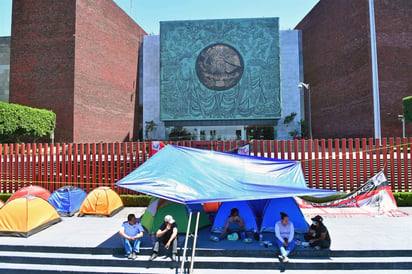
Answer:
(220, 69)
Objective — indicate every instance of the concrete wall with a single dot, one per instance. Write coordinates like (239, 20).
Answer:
(151, 87)
(4, 68)
(290, 75)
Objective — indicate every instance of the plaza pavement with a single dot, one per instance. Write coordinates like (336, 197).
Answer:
(349, 234)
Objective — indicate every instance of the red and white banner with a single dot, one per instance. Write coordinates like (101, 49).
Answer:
(374, 198)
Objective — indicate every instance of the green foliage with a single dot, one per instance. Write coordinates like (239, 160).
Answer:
(135, 200)
(304, 128)
(179, 134)
(17, 120)
(288, 119)
(5, 196)
(403, 198)
(407, 108)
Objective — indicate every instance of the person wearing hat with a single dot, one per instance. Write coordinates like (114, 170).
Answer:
(131, 233)
(167, 236)
(284, 232)
(318, 236)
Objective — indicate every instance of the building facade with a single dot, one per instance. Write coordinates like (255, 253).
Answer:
(337, 65)
(222, 80)
(79, 59)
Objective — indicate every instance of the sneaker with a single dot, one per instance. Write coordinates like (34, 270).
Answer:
(154, 256)
(214, 238)
(285, 259)
(247, 240)
(130, 256)
(281, 258)
(134, 256)
(174, 258)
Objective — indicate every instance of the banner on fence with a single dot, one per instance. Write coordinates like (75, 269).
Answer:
(375, 197)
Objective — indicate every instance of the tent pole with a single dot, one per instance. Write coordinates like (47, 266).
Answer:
(192, 261)
(185, 246)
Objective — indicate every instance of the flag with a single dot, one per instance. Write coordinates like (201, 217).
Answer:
(155, 146)
(243, 150)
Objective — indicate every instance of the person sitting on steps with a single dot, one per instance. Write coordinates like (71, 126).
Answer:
(234, 224)
(318, 236)
(131, 233)
(284, 232)
(167, 236)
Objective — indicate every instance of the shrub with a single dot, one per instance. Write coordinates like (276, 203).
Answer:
(17, 120)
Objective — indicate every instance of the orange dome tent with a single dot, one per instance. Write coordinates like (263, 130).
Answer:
(101, 201)
(37, 191)
(26, 215)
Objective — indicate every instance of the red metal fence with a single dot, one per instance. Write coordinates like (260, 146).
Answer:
(342, 164)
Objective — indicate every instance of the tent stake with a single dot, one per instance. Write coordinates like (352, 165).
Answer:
(194, 242)
(185, 246)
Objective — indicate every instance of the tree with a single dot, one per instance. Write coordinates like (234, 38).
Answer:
(18, 121)
(407, 108)
(179, 134)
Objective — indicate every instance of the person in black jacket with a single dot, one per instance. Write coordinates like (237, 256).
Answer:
(318, 236)
(167, 236)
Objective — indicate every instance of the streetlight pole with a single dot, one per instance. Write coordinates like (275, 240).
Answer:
(307, 87)
(402, 118)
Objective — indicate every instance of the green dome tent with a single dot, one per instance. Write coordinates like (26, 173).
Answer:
(158, 208)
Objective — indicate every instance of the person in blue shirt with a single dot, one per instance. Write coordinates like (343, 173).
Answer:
(131, 233)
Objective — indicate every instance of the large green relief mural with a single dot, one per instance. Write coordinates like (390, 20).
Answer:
(220, 69)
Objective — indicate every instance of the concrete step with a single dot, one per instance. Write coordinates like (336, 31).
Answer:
(264, 252)
(96, 262)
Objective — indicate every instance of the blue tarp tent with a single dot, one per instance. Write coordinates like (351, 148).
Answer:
(271, 215)
(244, 211)
(193, 176)
(67, 200)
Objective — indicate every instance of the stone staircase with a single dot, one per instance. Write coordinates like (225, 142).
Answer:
(46, 259)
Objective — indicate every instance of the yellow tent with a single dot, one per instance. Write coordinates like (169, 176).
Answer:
(101, 201)
(26, 215)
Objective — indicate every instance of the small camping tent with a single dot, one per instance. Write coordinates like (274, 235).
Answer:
(101, 201)
(244, 211)
(158, 208)
(37, 191)
(26, 215)
(67, 200)
(271, 214)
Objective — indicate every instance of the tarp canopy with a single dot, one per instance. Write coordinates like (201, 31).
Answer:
(193, 176)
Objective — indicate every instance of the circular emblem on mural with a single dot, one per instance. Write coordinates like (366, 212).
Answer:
(219, 66)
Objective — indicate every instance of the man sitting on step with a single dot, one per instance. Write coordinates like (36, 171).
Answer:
(167, 236)
(131, 233)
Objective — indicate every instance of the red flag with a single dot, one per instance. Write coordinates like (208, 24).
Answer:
(155, 146)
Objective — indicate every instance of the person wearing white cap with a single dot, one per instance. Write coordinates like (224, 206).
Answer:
(167, 236)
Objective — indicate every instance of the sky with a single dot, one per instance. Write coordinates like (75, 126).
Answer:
(148, 13)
